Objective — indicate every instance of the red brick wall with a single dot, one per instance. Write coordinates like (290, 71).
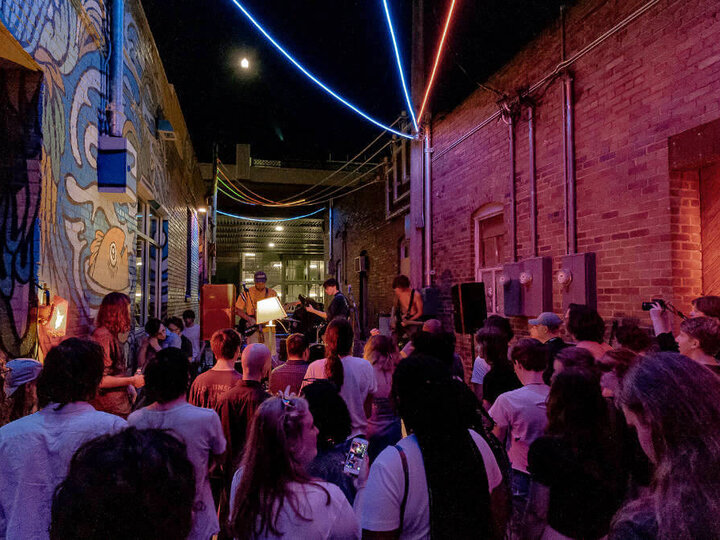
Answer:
(655, 78)
(362, 215)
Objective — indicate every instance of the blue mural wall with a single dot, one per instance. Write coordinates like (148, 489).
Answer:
(66, 234)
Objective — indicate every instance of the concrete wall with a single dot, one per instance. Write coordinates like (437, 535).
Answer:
(80, 242)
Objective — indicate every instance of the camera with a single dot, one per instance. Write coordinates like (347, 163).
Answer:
(647, 306)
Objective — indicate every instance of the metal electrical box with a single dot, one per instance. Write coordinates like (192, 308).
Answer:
(528, 287)
(113, 167)
(577, 279)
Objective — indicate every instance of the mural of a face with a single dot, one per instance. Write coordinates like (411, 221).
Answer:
(108, 261)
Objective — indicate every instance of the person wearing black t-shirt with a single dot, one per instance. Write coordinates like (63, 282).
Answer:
(339, 306)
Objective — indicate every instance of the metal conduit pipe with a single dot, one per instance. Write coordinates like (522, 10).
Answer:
(513, 210)
(117, 39)
(533, 180)
(562, 65)
(427, 200)
(330, 231)
(569, 138)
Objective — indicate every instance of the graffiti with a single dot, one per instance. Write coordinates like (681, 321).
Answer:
(55, 227)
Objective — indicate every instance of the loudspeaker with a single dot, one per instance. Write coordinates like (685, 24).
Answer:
(469, 309)
(217, 308)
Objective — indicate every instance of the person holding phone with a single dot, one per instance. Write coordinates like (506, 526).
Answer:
(272, 494)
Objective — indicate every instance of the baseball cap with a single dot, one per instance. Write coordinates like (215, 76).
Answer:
(22, 371)
(260, 276)
(547, 318)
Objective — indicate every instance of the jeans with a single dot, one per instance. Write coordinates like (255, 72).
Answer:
(519, 491)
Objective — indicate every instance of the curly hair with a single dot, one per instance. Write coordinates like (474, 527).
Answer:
(72, 372)
(118, 486)
(114, 313)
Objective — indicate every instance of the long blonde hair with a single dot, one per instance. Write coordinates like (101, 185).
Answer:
(269, 467)
(382, 353)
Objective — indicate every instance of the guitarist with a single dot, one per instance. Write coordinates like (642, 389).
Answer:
(339, 306)
(246, 305)
(408, 309)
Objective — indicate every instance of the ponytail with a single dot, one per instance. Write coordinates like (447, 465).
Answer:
(338, 343)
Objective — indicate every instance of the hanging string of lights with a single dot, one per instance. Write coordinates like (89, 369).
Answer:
(399, 65)
(312, 77)
(270, 220)
(437, 59)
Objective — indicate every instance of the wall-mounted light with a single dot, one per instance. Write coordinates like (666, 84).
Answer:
(279, 228)
(249, 254)
(271, 245)
(313, 266)
(245, 63)
(202, 210)
(53, 317)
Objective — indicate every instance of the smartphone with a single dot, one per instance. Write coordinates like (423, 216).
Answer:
(356, 456)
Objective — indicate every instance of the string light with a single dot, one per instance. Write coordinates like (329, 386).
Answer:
(313, 77)
(261, 220)
(437, 58)
(399, 64)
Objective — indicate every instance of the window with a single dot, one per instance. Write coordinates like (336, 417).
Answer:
(147, 265)
(489, 228)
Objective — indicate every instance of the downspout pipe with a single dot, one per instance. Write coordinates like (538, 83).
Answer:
(117, 40)
(511, 180)
(427, 200)
(533, 180)
(569, 144)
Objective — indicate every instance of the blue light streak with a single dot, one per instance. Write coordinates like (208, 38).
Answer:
(399, 64)
(270, 220)
(313, 78)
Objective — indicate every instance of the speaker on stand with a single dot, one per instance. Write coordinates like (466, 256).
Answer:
(469, 308)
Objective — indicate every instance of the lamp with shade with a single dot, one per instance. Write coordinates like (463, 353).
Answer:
(268, 310)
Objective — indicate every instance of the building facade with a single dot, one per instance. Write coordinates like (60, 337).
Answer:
(603, 158)
(61, 230)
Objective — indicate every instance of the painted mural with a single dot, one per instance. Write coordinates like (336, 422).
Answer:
(85, 243)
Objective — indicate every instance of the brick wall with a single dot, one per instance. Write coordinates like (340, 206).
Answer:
(657, 77)
(362, 217)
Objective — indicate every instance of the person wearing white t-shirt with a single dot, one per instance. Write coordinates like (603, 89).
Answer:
(36, 450)
(441, 456)
(521, 417)
(272, 495)
(167, 377)
(354, 376)
(192, 332)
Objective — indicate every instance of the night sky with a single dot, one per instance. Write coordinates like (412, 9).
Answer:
(345, 43)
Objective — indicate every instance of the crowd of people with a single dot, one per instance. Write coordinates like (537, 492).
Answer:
(555, 433)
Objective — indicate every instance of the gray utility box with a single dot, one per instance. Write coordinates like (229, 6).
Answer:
(528, 287)
(577, 279)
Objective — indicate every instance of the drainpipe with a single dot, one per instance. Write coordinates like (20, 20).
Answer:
(427, 199)
(533, 180)
(569, 154)
(117, 37)
(330, 231)
(513, 217)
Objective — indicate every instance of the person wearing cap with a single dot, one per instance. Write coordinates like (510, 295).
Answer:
(246, 305)
(20, 389)
(547, 329)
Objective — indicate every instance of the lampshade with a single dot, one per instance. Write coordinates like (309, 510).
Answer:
(269, 309)
(54, 317)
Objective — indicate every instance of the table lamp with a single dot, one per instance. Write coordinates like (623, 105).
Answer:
(268, 310)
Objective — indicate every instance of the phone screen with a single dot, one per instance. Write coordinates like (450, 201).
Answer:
(356, 455)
